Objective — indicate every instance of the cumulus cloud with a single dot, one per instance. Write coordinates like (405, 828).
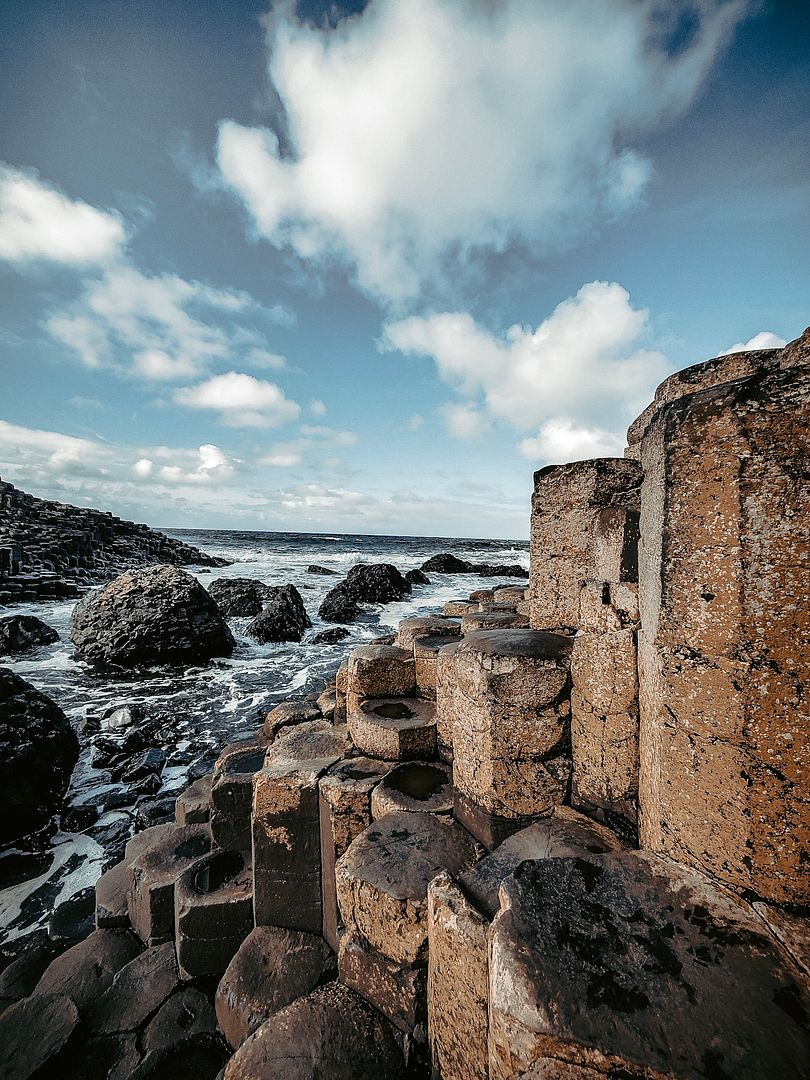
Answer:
(425, 133)
(38, 223)
(561, 441)
(765, 339)
(464, 421)
(583, 365)
(241, 400)
(162, 328)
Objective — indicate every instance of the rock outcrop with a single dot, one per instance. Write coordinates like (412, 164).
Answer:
(160, 615)
(447, 563)
(283, 618)
(20, 633)
(240, 596)
(365, 583)
(38, 750)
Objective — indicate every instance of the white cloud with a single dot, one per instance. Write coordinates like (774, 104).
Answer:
(426, 132)
(143, 467)
(333, 436)
(40, 224)
(585, 365)
(763, 340)
(560, 441)
(317, 407)
(162, 328)
(281, 459)
(241, 400)
(464, 421)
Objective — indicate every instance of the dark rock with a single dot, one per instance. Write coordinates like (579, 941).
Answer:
(376, 583)
(18, 979)
(18, 633)
(38, 749)
(160, 615)
(74, 919)
(136, 991)
(416, 577)
(123, 719)
(331, 1033)
(78, 818)
(87, 970)
(149, 812)
(649, 963)
(200, 1056)
(148, 763)
(283, 619)
(447, 564)
(313, 568)
(32, 1031)
(338, 606)
(119, 800)
(187, 1012)
(384, 639)
(500, 570)
(240, 596)
(329, 637)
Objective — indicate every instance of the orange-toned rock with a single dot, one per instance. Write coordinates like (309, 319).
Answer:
(724, 646)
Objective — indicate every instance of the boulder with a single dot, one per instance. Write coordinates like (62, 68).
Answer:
(283, 619)
(329, 637)
(32, 1031)
(19, 633)
(186, 1013)
(136, 992)
(376, 583)
(239, 596)
(447, 564)
(160, 615)
(87, 970)
(338, 606)
(500, 570)
(288, 714)
(38, 749)
(272, 968)
(416, 577)
(313, 568)
(330, 1033)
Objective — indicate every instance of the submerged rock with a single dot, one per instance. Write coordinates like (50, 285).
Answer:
(416, 577)
(447, 564)
(18, 633)
(38, 750)
(338, 606)
(283, 619)
(240, 596)
(329, 637)
(160, 615)
(313, 568)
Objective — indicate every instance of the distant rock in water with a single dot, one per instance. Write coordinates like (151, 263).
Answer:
(240, 596)
(365, 583)
(313, 568)
(329, 637)
(160, 615)
(48, 548)
(416, 577)
(283, 619)
(446, 563)
(38, 750)
(19, 633)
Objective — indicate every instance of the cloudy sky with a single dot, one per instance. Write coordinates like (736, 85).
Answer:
(365, 267)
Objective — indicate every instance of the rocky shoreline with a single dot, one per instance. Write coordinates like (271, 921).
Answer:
(553, 832)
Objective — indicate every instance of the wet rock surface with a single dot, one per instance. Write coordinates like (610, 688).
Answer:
(160, 615)
(283, 618)
(446, 563)
(38, 750)
(240, 596)
(365, 583)
(21, 633)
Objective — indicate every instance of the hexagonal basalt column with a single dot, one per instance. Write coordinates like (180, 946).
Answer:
(724, 646)
(449, 701)
(379, 671)
(193, 806)
(420, 626)
(426, 656)
(154, 873)
(416, 786)
(345, 811)
(584, 528)
(232, 794)
(395, 729)
(286, 826)
(493, 620)
(511, 734)
(213, 904)
(604, 700)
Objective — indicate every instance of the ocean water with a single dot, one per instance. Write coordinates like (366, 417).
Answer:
(203, 709)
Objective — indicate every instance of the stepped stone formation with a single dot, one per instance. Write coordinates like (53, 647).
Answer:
(50, 550)
(573, 849)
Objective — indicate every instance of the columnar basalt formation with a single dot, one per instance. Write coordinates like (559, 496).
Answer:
(484, 912)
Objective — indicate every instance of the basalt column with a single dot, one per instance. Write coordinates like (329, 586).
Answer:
(724, 646)
(584, 528)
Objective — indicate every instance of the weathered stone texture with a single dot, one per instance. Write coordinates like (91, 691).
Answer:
(193, 806)
(379, 671)
(448, 700)
(414, 785)
(584, 528)
(398, 991)
(213, 907)
(426, 662)
(604, 702)
(286, 826)
(458, 983)
(382, 879)
(395, 729)
(411, 629)
(634, 966)
(511, 707)
(153, 874)
(724, 648)
(232, 794)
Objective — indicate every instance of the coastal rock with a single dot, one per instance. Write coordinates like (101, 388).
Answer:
(160, 615)
(338, 606)
(376, 583)
(324, 571)
(329, 637)
(283, 619)
(38, 749)
(239, 596)
(447, 564)
(19, 633)
(47, 1020)
(87, 970)
(416, 577)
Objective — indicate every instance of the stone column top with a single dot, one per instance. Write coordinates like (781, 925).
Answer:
(535, 644)
(605, 477)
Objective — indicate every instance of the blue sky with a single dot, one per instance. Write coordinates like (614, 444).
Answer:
(314, 272)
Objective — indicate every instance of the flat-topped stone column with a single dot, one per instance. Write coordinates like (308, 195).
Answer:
(511, 731)
(724, 646)
(584, 528)
(232, 794)
(604, 700)
(286, 826)
(378, 671)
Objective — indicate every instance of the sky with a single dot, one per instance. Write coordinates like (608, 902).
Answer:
(365, 267)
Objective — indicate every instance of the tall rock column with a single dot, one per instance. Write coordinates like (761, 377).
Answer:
(584, 528)
(724, 645)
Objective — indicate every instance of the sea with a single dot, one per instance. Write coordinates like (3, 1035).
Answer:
(201, 709)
